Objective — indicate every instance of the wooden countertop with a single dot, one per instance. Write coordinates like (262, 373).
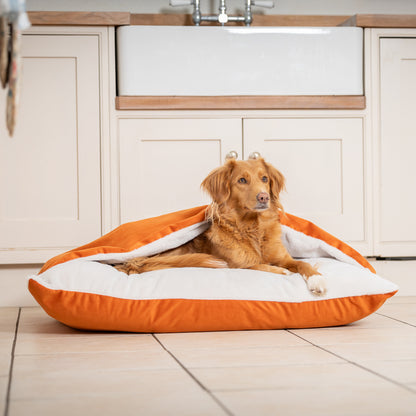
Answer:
(258, 20)
(382, 20)
(125, 18)
(241, 102)
(79, 18)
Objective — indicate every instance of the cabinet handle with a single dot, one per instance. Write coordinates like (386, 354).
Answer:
(254, 155)
(231, 155)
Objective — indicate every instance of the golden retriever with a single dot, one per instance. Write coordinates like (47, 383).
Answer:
(244, 232)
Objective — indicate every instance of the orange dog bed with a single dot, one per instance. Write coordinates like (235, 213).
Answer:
(81, 289)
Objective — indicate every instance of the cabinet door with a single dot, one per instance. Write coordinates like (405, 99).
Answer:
(50, 169)
(163, 162)
(322, 160)
(396, 167)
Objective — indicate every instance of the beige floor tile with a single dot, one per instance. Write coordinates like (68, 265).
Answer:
(283, 377)
(80, 363)
(92, 343)
(6, 344)
(401, 371)
(380, 400)
(375, 321)
(176, 404)
(405, 312)
(8, 312)
(405, 305)
(34, 321)
(8, 318)
(4, 381)
(5, 364)
(354, 335)
(48, 386)
(243, 357)
(36, 324)
(229, 339)
(375, 352)
(119, 393)
(32, 314)
(126, 393)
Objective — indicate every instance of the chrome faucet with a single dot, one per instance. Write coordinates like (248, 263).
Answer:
(222, 17)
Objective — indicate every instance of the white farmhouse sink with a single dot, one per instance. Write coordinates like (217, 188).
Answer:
(187, 60)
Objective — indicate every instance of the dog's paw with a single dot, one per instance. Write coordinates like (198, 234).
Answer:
(317, 284)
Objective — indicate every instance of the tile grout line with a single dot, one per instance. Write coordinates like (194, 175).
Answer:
(395, 319)
(211, 394)
(357, 365)
(9, 384)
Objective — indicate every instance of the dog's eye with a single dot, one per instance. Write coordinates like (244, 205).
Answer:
(242, 180)
(265, 179)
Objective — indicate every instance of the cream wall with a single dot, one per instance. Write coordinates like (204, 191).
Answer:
(331, 7)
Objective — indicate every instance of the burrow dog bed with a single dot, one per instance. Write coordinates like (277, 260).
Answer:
(81, 289)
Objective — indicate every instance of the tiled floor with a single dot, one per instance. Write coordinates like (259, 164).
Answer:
(367, 368)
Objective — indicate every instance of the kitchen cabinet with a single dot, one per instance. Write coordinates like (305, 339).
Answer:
(323, 162)
(50, 179)
(397, 148)
(393, 92)
(163, 162)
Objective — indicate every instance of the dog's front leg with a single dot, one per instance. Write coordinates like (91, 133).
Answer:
(314, 280)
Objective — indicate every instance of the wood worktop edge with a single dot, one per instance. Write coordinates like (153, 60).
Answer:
(241, 102)
(48, 18)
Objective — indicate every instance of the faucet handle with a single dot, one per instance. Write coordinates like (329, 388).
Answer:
(263, 3)
(177, 3)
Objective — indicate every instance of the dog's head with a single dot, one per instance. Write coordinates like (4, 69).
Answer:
(250, 185)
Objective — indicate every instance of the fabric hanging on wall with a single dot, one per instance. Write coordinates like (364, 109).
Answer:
(13, 19)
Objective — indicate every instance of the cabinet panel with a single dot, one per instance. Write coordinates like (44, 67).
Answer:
(163, 162)
(50, 169)
(322, 160)
(397, 148)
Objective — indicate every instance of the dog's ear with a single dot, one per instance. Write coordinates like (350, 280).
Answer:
(217, 183)
(277, 181)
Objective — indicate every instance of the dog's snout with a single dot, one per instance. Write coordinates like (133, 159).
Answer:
(263, 197)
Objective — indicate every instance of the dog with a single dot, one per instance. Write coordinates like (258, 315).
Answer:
(245, 230)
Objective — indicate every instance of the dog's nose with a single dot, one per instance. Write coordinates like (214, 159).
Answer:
(263, 197)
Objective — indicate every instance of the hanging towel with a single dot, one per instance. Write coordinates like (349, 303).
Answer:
(13, 19)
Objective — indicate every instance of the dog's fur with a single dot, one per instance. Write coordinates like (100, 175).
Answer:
(244, 230)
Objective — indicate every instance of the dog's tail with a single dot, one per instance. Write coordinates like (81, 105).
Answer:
(147, 264)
